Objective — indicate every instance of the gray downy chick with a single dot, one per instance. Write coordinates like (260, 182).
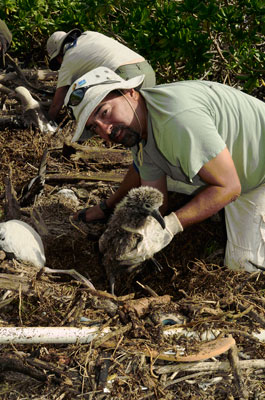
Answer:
(126, 231)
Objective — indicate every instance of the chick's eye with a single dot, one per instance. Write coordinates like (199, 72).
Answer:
(147, 205)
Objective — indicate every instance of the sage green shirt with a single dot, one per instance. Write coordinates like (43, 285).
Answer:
(191, 122)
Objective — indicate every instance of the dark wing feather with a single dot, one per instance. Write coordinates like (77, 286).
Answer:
(35, 186)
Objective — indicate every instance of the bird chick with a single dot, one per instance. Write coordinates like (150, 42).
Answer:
(20, 240)
(32, 110)
(136, 222)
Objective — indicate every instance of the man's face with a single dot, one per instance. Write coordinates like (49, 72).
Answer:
(114, 120)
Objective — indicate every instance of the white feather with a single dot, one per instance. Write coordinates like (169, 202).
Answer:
(23, 241)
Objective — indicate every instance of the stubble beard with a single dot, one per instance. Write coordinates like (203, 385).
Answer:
(130, 138)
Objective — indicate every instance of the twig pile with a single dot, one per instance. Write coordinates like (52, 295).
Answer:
(137, 352)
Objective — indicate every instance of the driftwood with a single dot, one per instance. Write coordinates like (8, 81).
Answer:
(23, 284)
(21, 75)
(97, 154)
(5, 89)
(210, 366)
(206, 350)
(234, 361)
(89, 176)
(16, 365)
(14, 282)
(37, 369)
(109, 157)
(141, 306)
(39, 74)
(56, 372)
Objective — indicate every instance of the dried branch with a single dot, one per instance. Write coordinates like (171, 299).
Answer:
(235, 366)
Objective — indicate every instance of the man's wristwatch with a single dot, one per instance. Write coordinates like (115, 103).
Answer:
(105, 208)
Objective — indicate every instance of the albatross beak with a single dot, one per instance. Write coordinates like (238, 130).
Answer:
(156, 214)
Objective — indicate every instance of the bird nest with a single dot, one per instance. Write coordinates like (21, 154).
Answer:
(167, 334)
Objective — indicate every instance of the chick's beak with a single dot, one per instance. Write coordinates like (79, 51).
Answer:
(156, 214)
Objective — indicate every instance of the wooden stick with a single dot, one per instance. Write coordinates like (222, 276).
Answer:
(6, 90)
(234, 361)
(184, 378)
(106, 177)
(38, 74)
(16, 365)
(21, 75)
(210, 366)
(14, 282)
(206, 351)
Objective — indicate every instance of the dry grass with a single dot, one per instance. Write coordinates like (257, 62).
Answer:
(207, 294)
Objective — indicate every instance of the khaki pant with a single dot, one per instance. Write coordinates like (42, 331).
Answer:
(142, 68)
(245, 226)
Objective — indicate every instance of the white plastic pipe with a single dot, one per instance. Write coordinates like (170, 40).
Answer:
(50, 334)
(77, 335)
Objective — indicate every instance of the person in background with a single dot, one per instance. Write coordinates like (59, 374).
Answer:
(5, 41)
(206, 135)
(75, 53)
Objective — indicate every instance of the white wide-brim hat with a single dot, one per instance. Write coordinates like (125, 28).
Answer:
(98, 84)
(54, 46)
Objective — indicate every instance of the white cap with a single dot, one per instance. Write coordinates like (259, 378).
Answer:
(54, 45)
(100, 82)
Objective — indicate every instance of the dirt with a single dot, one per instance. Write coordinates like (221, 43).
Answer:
(203, 293)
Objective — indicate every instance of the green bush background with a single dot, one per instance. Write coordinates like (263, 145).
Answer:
(221, 40)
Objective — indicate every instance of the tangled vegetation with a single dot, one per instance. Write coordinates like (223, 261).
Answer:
(219, 40)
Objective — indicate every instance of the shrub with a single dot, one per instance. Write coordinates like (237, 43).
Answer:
(182, 39)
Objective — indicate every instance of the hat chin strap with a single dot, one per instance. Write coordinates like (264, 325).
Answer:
(134, 111)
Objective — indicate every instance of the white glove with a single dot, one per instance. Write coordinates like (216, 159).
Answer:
(173, 224)
(155, 238)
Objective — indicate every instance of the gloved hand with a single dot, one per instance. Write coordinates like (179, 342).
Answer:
(173, 224)
(155, 238)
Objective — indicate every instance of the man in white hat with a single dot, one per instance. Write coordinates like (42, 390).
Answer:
(207, 135)
(75, 53)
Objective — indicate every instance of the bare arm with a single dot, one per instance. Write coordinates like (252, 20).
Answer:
(223, 187)
(57, 102)
(131, 180)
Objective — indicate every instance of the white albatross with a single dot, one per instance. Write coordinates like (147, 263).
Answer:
(22, 241)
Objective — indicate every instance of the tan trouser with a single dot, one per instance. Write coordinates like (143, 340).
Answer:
(245, 225)
(129, 71)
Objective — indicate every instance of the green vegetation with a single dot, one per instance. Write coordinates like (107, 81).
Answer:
(221, 40)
